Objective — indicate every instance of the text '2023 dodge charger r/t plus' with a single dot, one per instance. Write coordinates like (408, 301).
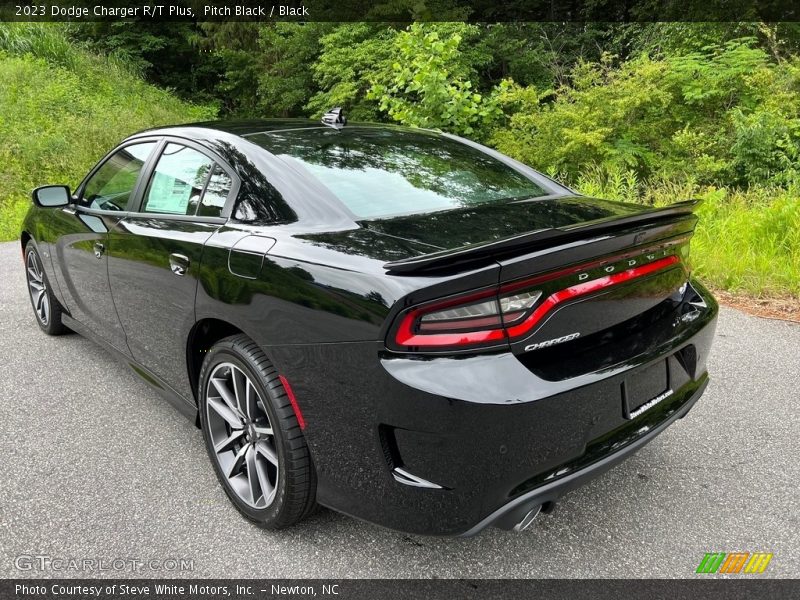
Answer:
(399, 324)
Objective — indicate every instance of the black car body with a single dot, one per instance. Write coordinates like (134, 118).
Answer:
(452, 367)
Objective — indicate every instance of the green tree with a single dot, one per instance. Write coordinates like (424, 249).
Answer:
(288, 52)
(350, 56)
(723, 115)
(427, 82)
(165, 53)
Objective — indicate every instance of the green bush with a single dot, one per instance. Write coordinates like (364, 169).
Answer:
(724, 116)
(427, 82)
(61, 109)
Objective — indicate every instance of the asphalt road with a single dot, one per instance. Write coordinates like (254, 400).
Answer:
(96, 465)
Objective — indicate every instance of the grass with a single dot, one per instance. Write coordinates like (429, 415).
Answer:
(62, 108)
(747, 241)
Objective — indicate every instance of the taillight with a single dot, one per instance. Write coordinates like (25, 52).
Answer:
(479, 315)
(493, 317)
(463, 321)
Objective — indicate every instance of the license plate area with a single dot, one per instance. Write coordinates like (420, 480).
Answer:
(645, 388)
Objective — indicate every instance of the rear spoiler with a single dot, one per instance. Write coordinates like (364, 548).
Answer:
(541, 238)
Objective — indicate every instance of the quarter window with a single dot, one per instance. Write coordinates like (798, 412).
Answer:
(111, 186)
(217, 190)
(178, 181)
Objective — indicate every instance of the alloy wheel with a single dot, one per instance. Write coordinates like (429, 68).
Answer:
(242, 435)
(38, 288)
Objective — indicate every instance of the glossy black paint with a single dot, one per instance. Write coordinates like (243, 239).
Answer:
(154, 304)
(287, 266)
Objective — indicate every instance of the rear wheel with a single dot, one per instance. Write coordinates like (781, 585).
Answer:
(252, 435)
(45, 305)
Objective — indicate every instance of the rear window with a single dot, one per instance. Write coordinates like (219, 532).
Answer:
(380, 173)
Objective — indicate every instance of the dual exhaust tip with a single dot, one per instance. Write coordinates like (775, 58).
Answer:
(521, 517)
(526, 521)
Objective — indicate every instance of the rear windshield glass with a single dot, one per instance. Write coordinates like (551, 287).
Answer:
(380, 172)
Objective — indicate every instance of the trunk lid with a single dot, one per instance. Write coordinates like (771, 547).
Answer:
(592, 266)
(599, 276)
(470, 235)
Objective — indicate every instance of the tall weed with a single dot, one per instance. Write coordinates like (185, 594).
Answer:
(62, 108)
(746, 241)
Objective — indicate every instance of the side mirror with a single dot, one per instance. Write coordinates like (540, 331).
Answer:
(49, 196)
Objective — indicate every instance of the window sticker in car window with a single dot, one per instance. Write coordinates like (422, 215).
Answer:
(177, 181)
(168, 195)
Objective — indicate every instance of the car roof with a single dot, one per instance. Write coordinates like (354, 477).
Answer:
(249, 126)
(246, 127)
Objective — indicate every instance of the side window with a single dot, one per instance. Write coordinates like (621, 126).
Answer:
(111, 186)
(177, 181)
(217, 190)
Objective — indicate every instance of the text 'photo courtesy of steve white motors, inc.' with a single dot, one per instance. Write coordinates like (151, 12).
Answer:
(167, 590)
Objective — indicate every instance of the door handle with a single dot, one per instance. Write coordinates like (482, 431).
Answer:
(179, 264)
(99, 250)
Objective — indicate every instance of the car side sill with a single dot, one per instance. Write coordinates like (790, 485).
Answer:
(552, 491)
(186, 408)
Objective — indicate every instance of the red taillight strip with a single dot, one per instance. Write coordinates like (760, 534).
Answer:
(590, 265)
(293, 401)
(406, 337)
(587, 287)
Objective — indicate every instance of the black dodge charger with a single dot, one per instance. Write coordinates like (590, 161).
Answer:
(399, 324)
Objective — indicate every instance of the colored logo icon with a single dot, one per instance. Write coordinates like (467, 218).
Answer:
(734, 562)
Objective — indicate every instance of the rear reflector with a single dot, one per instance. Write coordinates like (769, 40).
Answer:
(293, 401)
(491, 317)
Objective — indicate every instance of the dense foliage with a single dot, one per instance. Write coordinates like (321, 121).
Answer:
(641, 112)
(725, 115)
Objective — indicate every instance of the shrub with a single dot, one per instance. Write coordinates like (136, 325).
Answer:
(426, 82)
(723, 116)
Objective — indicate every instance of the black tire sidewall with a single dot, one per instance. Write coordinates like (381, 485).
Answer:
(226, 352)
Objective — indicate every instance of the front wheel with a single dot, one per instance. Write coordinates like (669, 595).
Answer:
(252, 435)
(45, 305)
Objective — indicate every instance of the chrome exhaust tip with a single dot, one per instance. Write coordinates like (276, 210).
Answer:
(525, 522)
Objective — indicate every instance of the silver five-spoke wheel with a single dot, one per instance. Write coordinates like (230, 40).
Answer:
(242, 435)
(38, 288)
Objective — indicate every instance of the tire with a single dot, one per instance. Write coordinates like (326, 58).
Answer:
(46, 307)
(269, 477)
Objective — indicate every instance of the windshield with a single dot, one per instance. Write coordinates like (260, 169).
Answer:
(385, 172)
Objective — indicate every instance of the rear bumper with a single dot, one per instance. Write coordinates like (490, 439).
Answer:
(512, 512)
(496, 437)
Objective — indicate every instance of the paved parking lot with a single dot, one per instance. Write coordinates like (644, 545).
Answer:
(96, 465)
